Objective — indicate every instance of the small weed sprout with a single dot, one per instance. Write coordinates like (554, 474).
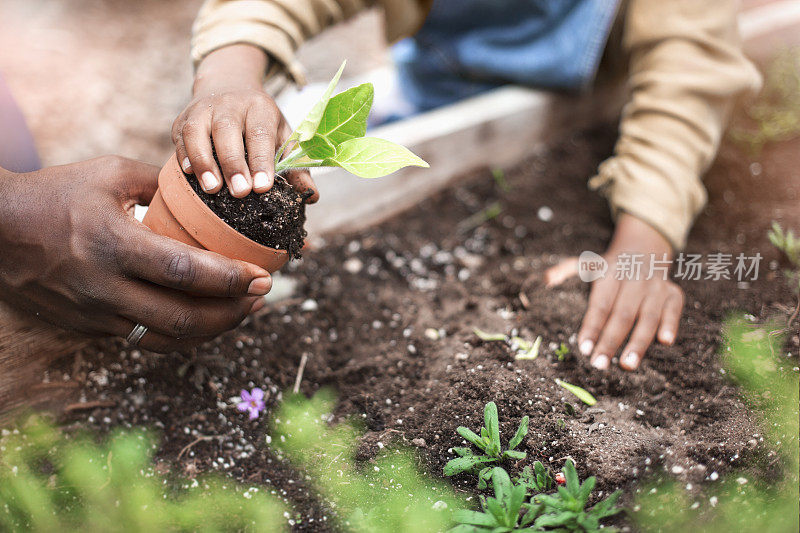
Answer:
(536, 479)
(566, 509)
(489, 444)
(506, 511)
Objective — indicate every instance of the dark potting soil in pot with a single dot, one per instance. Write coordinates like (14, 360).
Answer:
(274, 218)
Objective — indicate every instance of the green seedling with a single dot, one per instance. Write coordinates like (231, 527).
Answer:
(491, 211)
(524, 349)
(500, 179)
(506, 511)
(488, 442)
(489, 337)
(566, 509)
(333, 135)
(582, 394)
(530, 350)
(536, 479)
(562, 351)
(786, 242)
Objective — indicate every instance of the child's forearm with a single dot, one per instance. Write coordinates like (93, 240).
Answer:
(240, 66)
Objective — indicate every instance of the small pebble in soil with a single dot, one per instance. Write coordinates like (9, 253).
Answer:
(545, 214)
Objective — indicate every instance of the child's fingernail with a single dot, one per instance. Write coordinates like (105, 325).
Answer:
(260, 180)
(586, 347)
(630, 360)
(259, 286)
(667, 337)
(238, 185)
(186, 165)
(208, 181)
(600, 362)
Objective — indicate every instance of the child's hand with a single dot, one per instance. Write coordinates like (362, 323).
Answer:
(231, 109)
(617, 308)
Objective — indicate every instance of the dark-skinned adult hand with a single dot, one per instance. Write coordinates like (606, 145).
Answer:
(231, 109)
(638, 309)
(73, 255)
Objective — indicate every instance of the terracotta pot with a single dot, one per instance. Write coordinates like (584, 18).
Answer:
(177, 212)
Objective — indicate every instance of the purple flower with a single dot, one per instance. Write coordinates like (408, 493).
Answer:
(252, 402)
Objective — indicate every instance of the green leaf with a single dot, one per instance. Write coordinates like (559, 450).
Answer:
(488, 337)
(501, 483)
(345, 118)
(554, 520)
(582, 394)
(464, 464)
(308, 127)
(573, 484)
(461, 451)
(470, 436)
(515, 454)
(492, 425)
(369, 157)
(464, 516)
(586, 489)
(494, 507)
(522, 430)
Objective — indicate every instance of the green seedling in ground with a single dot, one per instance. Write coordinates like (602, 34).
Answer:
(523, 348)
(536, 479)
(491, 211)
(506, 511)
(333, 135)
(562, 351)
(488, 442)
(500, 178)
(582, 394)
(786, 242)
(566, 509)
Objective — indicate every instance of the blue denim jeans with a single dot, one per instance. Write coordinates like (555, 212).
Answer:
(467, 47)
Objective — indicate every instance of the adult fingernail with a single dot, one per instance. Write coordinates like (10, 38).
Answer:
(208, 181)
(258, 305)
(260, 180)
(586, 347)
(600, 362)
(238, 184)
(259, 286)
(630, 360)
(186, 165)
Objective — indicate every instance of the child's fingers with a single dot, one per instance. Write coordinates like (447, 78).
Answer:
(616, 329)
(671, 316)
(180, 148)
(643, 333)
(302, 182)
(226, 130)
(196, 135)
(260, 131)
(558, 274)
(601, 300)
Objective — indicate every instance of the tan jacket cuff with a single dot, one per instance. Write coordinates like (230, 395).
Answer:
(276, 43)
(634, 188)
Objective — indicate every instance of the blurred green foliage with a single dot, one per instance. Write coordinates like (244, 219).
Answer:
(769, 381)
(776, 113)
(387, 494)
(49, 482)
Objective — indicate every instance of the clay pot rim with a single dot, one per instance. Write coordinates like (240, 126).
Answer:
(174, 184)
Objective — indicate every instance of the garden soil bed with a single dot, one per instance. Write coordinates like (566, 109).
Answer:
(360, 314)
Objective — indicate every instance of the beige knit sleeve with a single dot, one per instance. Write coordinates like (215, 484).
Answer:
(686, 67)
(277, 26)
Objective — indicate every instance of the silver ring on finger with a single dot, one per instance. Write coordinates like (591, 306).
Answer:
(136, 334)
